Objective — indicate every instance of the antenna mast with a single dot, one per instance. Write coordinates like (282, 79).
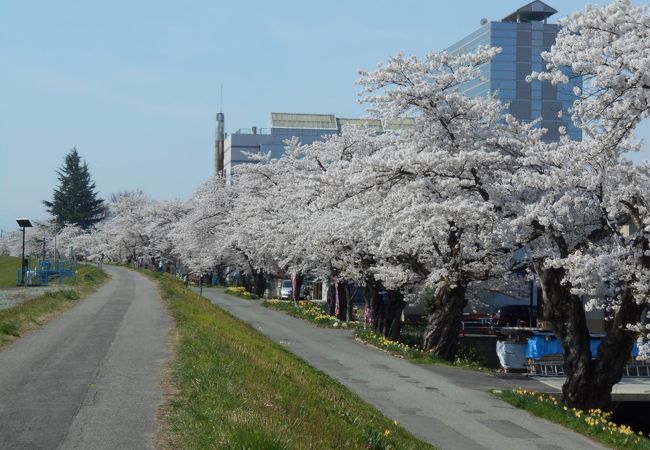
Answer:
(219, 140)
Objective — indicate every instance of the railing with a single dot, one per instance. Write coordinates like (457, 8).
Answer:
(265, 131)
(46, 270)
(553, 366)
(479, 326)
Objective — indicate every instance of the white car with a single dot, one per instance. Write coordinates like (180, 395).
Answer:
(286, 290)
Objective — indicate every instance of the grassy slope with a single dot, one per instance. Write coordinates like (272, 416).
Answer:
(35, 312)
(238, 389)
(9, 265)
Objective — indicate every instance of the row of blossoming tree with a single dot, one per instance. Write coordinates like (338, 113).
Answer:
(461, 199)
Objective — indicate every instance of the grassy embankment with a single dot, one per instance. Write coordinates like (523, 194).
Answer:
(309, 311)
(405, 348)
(237, 389)
(30, 314)
(9, 265)
(595, 424)
(241, 292)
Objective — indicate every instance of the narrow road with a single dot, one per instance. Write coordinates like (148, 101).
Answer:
(89, 379)
(449, 408)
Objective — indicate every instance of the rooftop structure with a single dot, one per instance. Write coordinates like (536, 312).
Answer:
(308, 128)
(533, 12)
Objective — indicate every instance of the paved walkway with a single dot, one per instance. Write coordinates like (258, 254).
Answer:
(444, 406)
(90, 378)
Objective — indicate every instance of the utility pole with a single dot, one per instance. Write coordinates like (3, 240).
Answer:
(23, 223)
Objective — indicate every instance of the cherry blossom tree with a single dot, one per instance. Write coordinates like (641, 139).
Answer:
(580, 247)
(198, 236)
(336, 230)
(122, 232)
(449, 181)
(609, 47)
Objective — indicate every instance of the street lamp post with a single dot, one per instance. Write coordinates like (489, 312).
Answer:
(23, 223)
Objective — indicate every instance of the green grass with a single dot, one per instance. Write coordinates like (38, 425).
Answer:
(33, 313)
(9, 265)
(310, 312)
(240, 292)
(239, 390)
(593, 423)
(465, 359)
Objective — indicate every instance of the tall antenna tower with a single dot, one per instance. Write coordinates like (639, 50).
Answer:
(219, 140)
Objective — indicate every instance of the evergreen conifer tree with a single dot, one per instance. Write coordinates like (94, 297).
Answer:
(75, 200)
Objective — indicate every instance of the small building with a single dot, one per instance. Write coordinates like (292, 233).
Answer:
(308, 128)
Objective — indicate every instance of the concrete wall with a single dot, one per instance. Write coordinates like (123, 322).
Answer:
(485, 346)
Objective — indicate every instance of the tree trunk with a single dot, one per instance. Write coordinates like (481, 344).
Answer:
(331, 299)
(589, 381)
(349, 298)
(443, 329)
(220, 270)
(379, 310)
(247, 282)
(387, 309)
(342, 292)
(567, 317)
(615, 348)
(393, 321)
(371, 292)
(295, 293)
(259, 283)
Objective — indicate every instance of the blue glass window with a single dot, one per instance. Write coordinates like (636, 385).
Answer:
(507, 94)
(503, 75)
(504, 33)
(499, 65)
(503, 26)
(505, 57)
(504, 41)
(503, 84)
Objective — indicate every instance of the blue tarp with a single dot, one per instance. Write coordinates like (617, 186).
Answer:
(539, 346)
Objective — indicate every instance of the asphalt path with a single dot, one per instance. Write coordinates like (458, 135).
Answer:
(89, 379)
(450, 408)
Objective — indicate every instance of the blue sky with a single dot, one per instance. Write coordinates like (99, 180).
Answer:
(135, 85)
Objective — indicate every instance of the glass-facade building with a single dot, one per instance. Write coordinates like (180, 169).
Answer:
(523, 36)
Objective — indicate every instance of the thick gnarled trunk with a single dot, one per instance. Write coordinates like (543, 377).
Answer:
(295, 290)
(388, 307)
(566, 314)
(372, 300)
(444, 325)
(337, 300)
(255, 282)
(393, 318)
(589, 381)
(259, 283)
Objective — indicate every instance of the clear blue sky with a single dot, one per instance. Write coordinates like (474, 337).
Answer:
(135, 85)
